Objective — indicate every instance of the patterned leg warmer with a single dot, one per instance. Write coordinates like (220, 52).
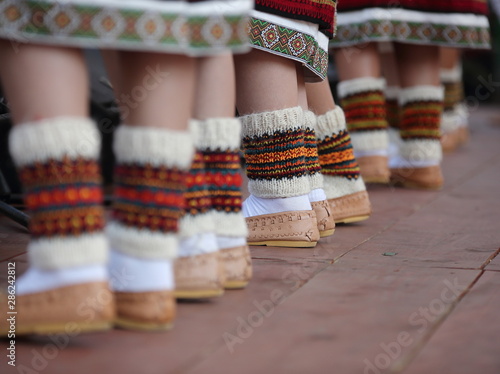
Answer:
(150, 180)
(199, 272)
(344, 187)
(365, 110)
(319, 203)
(420, 151)
(58, 166)
(219, 140)
(454, 125)
(275, 157)
(59, 170)
(273, 144)
(311, 158)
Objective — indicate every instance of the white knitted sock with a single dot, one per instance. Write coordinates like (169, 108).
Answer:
(133, 274)
(39, 280)
(256, 206)
(318, 194)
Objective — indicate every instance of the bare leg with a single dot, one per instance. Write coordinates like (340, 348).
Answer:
(301, 88)
(320, 97)
(449, 57)
(44, 82)
(216, 87)
(356, 62)
(265, 82)
(418, 65)
(157, 89)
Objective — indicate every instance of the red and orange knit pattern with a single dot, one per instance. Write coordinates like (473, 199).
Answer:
(224, 180)
(197, 194)
(311, 152)
(321, 12)
(365, 111)
(393, 113)
(453, 94)
(64, 197)
(275, 157)
(421, 120)
(336, 156)
(149, 197)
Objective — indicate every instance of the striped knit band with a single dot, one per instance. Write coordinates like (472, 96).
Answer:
(274, 149)
(420, 123)
(196, 218)
(453, 87)
(392, 110)
(335, 150)
(421, 112)
(58, 167)
(364, 104)
(219, 140)
(312, 159)
(150, 180)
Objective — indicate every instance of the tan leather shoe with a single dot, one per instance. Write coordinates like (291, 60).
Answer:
(287, 229)
(324, 217)
(351, 208)
(199, 277)
(237, 266)
(374, 169)
(429, 178)
(150, 311)
(67, 310)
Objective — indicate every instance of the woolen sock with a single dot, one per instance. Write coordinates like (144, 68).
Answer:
(219, 141)
(338, 165)
(275, 158)
(57, 161)
(421, 109)
(364, 106)
(150, 182)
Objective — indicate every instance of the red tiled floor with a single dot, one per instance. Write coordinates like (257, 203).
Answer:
(342, 307)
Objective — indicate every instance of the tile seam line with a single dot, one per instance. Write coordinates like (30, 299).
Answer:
(402, 364)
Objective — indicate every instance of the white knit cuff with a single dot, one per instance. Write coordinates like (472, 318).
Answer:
(415, 151)
(230, 224)
(142, 243)
(153, 146)
(392, 92)
(453, 75)
(421, 93)
(358, 85)
(62, 252)
(309, 120)
(54, 138)
(316, 181)
(190, 225)
(276, 188)
(217, 133)
(339, 186)
(330, 123)
(370, 140)
(258, 124)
